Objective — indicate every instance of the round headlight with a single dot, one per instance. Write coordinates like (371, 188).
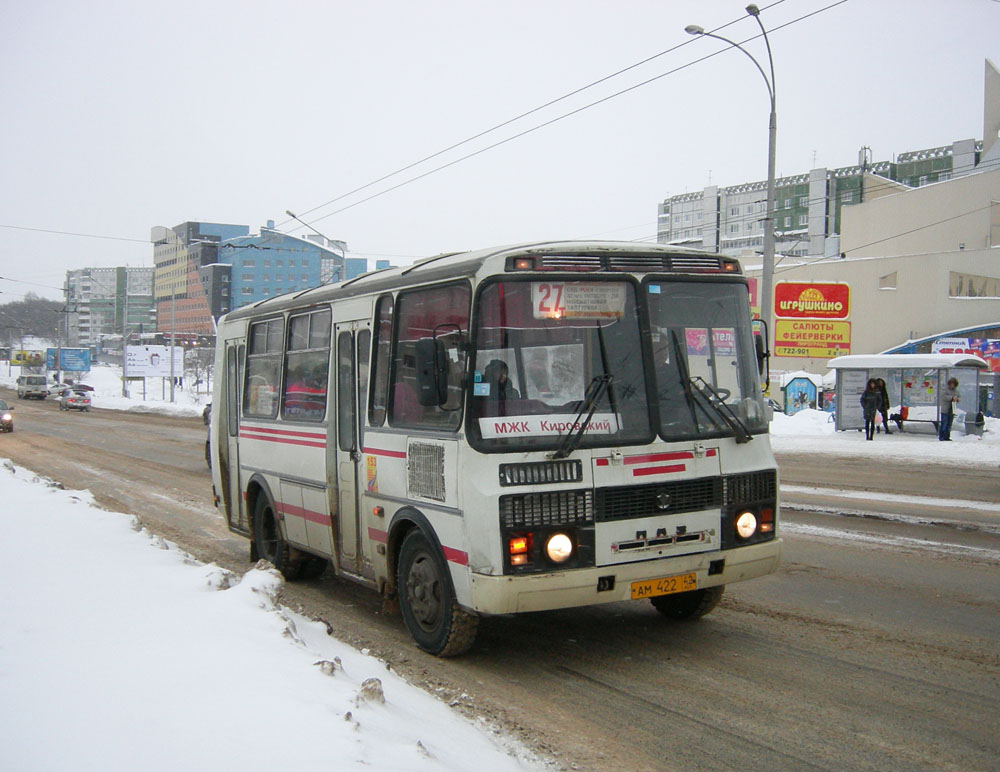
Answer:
(746, 525)
(559, 548)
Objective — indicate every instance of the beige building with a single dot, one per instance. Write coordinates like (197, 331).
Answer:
(920, 262)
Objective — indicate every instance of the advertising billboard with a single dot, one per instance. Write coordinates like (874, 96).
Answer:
(153, 361)
(811, 338)
(29, 358)
(812, 300)
(75, 360)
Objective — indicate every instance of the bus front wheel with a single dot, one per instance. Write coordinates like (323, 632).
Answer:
(427, 600)
(689, 605)
(270, 545)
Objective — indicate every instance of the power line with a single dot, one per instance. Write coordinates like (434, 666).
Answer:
(562, 117)
(71, 233)
(509, 121)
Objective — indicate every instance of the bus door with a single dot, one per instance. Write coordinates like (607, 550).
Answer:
(352, 344)
(228, 435)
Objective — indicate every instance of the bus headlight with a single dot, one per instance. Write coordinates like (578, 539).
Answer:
(559, 548)
(746, 525)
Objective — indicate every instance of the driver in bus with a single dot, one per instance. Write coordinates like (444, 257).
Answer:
(496, 375)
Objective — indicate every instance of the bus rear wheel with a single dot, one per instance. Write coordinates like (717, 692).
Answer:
(427, 600)
(267, 535)
(689, 605)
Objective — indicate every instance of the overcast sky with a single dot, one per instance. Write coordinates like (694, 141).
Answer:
(119, 116)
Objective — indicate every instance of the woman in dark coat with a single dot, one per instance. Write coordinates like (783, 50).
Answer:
(883, 406)
(870, 400)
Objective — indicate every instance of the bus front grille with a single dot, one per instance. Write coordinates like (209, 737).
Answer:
(541, 472)
(540, 510)
(634, 501)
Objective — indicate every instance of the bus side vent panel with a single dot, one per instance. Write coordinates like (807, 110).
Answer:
(425, 470)
(539, 510)
(541, 472)
(633, 501)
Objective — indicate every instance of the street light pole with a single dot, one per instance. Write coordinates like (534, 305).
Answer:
(343, 251)
(767, 274)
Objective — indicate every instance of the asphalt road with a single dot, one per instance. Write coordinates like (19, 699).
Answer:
(876, 646)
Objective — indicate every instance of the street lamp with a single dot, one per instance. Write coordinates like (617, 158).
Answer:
(340, 244)
(767, 276)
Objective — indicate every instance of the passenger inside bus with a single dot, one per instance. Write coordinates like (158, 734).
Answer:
(497, 376)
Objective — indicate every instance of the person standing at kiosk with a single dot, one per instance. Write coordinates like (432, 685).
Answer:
(949, 401)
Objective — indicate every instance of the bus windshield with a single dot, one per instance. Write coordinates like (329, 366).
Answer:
(704, 359)
(557, 358)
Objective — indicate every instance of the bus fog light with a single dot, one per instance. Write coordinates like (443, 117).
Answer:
(559, 548)
(746, 525)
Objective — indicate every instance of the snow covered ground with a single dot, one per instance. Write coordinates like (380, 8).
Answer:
(120, 652)
(221, 676)
(812, 431)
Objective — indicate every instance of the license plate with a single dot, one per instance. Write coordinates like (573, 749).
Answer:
(667, 585)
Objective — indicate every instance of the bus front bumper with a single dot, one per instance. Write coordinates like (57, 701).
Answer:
(608, 584)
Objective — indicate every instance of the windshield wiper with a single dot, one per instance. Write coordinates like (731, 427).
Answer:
(714, 400)
(598, 385)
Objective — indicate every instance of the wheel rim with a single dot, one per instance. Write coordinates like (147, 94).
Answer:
(423, 591)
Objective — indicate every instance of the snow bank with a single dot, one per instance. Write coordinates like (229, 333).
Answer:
(120, 652)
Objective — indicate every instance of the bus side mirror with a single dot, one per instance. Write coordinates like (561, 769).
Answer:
(432, 372)
(761, 353)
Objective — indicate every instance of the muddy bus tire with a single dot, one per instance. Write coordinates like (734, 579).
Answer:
(689, 605)
(267, 536)
(427, 600)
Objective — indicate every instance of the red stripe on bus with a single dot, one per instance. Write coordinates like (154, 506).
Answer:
(455, 556)
(386, 453)
(376, 535)
(648, 470)
(653, 457)
(307, 514)
(285, 432)
(248, 435)
(603, 461)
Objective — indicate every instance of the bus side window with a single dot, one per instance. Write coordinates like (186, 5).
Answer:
(263, 370)
(380, 361)
(306, 366)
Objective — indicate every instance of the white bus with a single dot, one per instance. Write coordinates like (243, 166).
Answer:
(516, 429)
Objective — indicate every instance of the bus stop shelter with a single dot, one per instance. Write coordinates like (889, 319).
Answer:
(913, 382)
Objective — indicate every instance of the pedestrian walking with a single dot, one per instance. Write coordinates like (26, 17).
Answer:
(949, 402)
(870, 399)
(883, 406)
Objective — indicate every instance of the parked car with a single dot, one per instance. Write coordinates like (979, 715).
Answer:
(74, 399)
(32, 387)
(57, 389)
(6, 417)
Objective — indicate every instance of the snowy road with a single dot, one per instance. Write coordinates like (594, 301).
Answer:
(875, 646)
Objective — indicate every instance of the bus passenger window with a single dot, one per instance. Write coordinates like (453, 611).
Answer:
(263, 369)
(380, 361)
(307, 366)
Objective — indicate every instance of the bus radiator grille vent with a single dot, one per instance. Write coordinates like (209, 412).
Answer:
(635, 263)
(630, 502)
(541, 472)
(695, 263)
(538, 510)
(425, 470)
(753, 486)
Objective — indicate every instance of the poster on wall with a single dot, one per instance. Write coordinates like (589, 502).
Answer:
(851, 384)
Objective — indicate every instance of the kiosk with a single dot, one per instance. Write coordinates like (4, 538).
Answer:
(913, 382)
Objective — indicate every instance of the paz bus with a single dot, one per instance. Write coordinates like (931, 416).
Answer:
(515, 429)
